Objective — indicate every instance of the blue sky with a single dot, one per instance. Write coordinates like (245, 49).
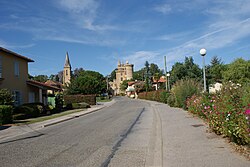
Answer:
(97, 33)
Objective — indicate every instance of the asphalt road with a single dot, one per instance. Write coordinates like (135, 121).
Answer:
(91, 140)
(129, 133)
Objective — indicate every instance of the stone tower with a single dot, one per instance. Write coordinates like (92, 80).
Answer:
(66, 71)
(123, 72)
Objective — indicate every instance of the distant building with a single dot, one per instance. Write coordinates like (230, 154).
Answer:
(159, 83)
(67, 71)
(123, 72)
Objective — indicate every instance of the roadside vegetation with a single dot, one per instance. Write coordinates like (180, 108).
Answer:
(227, 112)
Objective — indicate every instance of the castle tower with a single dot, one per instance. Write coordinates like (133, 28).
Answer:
(123, 72)
(66, 71)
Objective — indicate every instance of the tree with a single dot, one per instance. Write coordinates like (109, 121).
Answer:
(60, 76)
(185, 70)
(147, 76)
(139, 75)
(77, 71)
(155, 69)
(113, 75)
(88, 82)
(40, 78)
(157, 77)
(238, 71)
(124, 85)
(215, 70)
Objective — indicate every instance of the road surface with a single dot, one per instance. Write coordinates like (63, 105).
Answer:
(130, 133)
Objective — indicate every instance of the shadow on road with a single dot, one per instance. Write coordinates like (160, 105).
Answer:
(24, 138)
(4, 127)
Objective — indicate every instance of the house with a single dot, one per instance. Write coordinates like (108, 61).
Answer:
(158, 83)
(130, 91)
(54, 84)
(14, 77)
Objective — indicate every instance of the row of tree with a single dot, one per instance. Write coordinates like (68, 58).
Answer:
(91, 82)
(238, 71)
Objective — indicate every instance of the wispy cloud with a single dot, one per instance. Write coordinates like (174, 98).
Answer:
(15, 46)
(163, 8)
(85, 12)
(225, 27)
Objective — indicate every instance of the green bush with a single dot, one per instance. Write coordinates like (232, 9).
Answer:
(6, 114)
(90, 99)
(164, 96)
(184, 89)
(152, 95)
(226, 112)
(29, 110)
(59, 102)
(6, 98)
(171, 100)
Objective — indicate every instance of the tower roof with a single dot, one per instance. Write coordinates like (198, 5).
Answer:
(67, 62)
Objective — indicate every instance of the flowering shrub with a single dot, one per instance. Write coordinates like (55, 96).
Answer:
(183, 89)
(225, 112)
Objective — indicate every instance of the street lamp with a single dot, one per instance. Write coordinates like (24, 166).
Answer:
(168, 77)
(203, 53)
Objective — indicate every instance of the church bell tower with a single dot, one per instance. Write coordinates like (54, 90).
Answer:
(66, 71)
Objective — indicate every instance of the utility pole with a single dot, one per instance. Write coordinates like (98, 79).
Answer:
(165, 65)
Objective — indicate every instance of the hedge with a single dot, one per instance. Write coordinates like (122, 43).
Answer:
(6, 114)
(90, 99)
(29, 110)
(159, 95)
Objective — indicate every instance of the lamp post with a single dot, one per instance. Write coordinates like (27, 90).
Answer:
(203, 53)
(168, 77)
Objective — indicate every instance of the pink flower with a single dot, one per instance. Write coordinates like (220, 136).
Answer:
(247, 112)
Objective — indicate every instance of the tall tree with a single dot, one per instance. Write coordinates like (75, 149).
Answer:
(185, 70)
(238, 71)
(139, 75)
(155, 69)
(77, 71)
(215, 70)
(88, 82)
(60, 76)
(113, 75)
(147, 76)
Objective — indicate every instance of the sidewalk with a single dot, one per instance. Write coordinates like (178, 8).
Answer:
(14, 131)
(186, 142)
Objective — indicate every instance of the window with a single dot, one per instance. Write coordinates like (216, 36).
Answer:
(1, 68)
(121, 79)
(31, 97)
(17, 98)
(16, 68)
(66, 72)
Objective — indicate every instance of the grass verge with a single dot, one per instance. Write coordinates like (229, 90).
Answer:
(45, 118)
(98, 99)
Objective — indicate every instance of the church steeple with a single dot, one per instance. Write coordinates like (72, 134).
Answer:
(67, 62)
(66, 71)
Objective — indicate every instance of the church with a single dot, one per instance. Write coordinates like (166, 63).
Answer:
(67, 71)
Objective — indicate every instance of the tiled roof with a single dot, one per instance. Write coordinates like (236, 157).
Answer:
(15, 54)
(41, 84)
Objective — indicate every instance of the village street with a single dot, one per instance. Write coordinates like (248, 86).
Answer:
(128, 133)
